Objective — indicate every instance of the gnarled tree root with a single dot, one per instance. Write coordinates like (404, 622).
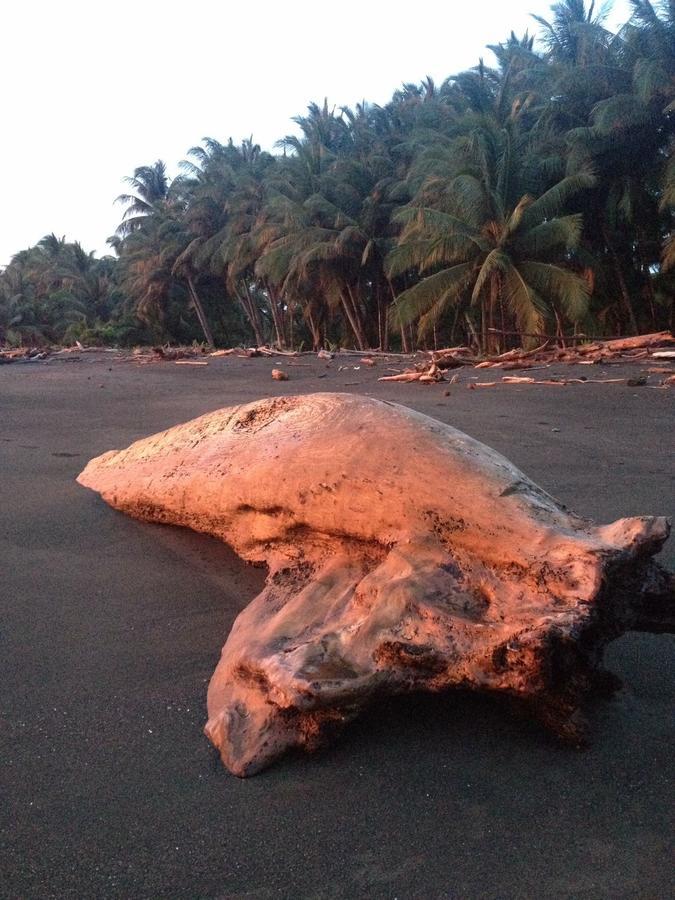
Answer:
(403, 556)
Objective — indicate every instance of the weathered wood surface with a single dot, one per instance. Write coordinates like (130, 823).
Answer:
(403, 555)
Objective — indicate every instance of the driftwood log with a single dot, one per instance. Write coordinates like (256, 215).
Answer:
(403, 555)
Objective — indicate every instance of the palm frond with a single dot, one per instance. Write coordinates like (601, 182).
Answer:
(554, 283)
(523, 301)
(554, 236)
(496, 261)
(441, 288)
(407, 256)
(553, 201)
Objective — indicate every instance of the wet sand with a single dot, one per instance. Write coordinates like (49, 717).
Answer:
(110, 630)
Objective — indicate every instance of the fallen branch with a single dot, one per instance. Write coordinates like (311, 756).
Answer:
(426, 376)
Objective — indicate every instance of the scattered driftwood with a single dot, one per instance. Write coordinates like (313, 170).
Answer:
(453, 358)
(620, 350)
(386, 577)
(615, 351)
(557, 382)
(24, 354)
(428, 368)
(174, 353)
(269, 351)
(425, 376)
(378, 353)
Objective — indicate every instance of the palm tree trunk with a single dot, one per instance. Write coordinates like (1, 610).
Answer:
(404, 338)
(254, 316)
(559, 332)
(350, 318)
(360, 331)
(245, 305)
(493, 340)
(625, 296)
(472, 332)
(201, 315)
(380, 318)
(483, 323)
(453, 333)
(385, 321)
(276, 319)
(315, 330)
(502, 319)
(649, 285)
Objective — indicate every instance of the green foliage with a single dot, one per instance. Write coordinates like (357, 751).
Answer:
(498, 206)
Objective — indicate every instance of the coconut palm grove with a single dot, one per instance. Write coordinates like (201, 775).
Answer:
(529, 200)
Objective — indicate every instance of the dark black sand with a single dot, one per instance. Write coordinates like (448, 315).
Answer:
(110, 630)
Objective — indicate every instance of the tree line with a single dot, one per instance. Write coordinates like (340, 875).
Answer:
(510, 203)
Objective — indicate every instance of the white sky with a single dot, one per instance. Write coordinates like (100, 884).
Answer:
(90, 90)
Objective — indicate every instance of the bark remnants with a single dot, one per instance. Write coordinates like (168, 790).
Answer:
(403, 555)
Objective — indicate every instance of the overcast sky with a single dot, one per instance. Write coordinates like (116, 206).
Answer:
(90, 90)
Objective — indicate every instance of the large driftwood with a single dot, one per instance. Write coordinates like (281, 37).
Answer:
(403, 555)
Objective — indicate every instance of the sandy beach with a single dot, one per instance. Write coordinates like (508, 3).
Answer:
(110, 630)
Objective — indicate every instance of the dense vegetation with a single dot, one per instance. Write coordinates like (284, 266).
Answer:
(536, 197)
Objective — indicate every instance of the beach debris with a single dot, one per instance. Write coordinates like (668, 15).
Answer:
(426, 375)
(559, 381)
(455, 571)
(621, 350)
(174, 353)
(271, 351)
(278, 375)
(190, 362)
(23, 354)
(617, 350)
(543, 356)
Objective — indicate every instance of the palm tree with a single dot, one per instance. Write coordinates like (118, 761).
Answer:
(151, 242)
(577, 34)
(472, 195)
(221, 188)
(49, 288)
(483, 245)
(629, 139)
(151, 187)
(668, 204)
(651, 46)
